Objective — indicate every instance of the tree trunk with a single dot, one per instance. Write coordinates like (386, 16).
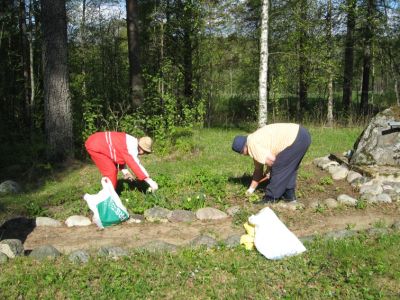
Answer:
(25, 61)
(31, 72)
(303, 85)
(367, 56)
(330, 62)
(57, 101)
(349, 56)
(263, 75)
(135, 80)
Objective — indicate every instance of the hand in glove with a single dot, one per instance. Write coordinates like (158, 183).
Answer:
(152, 184)
(250, 191)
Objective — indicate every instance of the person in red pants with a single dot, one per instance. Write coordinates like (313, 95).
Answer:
(112, 151)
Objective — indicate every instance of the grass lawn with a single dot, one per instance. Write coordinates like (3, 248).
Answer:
(199, 170)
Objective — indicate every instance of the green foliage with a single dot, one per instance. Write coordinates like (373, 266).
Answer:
(361, 204)
(194, 202)
(326, 180)
(33, 209)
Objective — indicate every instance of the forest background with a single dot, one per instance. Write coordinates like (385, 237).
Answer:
(70, 68)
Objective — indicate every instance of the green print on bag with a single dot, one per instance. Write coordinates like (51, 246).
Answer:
(110, 213)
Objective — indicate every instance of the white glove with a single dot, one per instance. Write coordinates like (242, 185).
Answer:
(153, 185)
(250, 191)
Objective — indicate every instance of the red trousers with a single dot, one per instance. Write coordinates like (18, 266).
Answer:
(105, 165)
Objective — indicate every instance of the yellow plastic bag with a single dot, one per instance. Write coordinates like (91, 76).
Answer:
(248, 239)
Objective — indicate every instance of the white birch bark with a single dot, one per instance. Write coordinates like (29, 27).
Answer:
(263, 76)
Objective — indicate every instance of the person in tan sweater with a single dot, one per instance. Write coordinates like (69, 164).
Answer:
(280, 147)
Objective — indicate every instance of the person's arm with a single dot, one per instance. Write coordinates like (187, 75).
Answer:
(132, 160)
(257, 176)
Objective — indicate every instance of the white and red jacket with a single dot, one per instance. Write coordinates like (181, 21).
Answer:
(120, 147)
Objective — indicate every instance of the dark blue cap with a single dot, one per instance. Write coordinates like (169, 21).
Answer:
(238, 143)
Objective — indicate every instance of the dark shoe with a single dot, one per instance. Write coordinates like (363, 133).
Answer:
(289, 195)
(266, 200)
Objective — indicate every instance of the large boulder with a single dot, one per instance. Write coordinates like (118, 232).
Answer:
(375, 148)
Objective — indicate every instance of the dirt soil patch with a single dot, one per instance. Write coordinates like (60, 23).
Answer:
(315, 186)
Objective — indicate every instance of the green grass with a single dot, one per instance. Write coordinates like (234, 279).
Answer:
(200, 164)
(355, 268)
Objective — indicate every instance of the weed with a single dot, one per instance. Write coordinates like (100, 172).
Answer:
(380, 224)
(320, 208)
(350, 226)
(326, 180)
(194, 202)
(361, 204)
(318, 188)
(253, 198)
(241, 217)
(34, 209)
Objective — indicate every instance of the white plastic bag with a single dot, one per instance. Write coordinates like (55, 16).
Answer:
(272, 238)
(106, 205)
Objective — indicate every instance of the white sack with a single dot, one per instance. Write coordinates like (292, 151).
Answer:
(272, 238)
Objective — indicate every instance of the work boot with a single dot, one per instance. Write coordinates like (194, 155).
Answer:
(289, 195)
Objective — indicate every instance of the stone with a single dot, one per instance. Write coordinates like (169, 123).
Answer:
(112, 252)
(10, 187)
(233, 210)
(3, 258)
(47, 222)
(232, 241)
(136, 219)
(339, 173)
(203, 240)
(347, 200)
(158, 246)
(320, 161)
(377, 231)
(331, 203)
(369, 198)
(78, 221)
(384, 198)
(79, 256)
(45, 252)
(374, 148)
(396, 226)
(340, 234)
(288, 205)
(359, 181)
(329, 164)
(157, 214)
(308, 238)
(352, 175)
(181, 215)
(373, 189)
(314, 205)
(12, 247)
(210, 213)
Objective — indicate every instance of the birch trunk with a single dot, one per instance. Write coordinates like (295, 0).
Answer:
(263, 76)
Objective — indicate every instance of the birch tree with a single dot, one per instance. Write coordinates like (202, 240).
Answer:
(330, 71)
(263, 75)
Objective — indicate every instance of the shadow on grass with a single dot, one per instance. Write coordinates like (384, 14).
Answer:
(245, 180)
(139, 185)
(17, 228)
